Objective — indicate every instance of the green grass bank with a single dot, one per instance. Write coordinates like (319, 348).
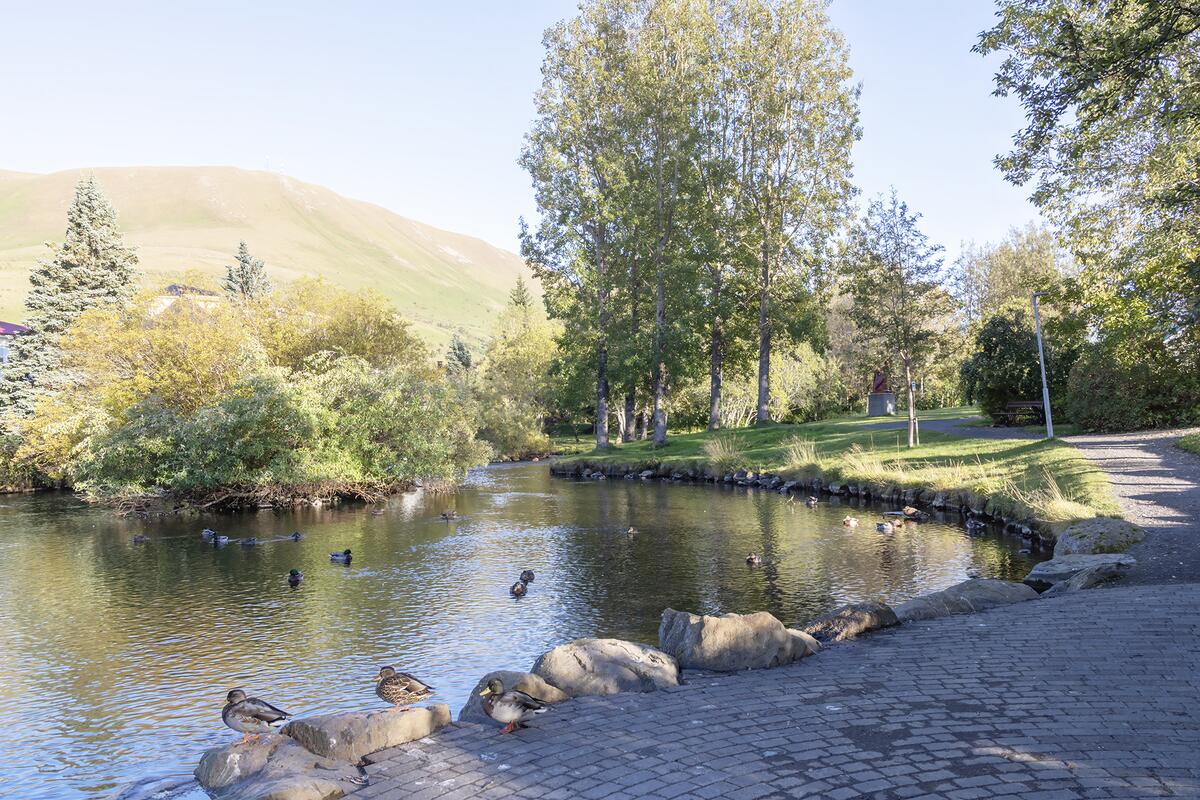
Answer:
(1041, 483)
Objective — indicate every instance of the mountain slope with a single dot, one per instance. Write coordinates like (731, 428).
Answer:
(191, 218)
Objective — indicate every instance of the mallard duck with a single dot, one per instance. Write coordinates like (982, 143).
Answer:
(811, 502)
(207, 534)
(400, 688)
(251, 542)
(294, 578)
(913, 513)
(250, 716)
(219, 540)
(974, 524)
(754, 560)
(527, 576)
(343, 557)
(885, 527)
(140, 538)
(631, 532)
(510, 707)
(850, 522)
(449, 515)
(295, 537)
(518, 589)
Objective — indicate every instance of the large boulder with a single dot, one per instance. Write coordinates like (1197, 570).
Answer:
(730, 642)
(1085, 579)
(1061, 568)
(525, 682)
(352, 735)
(1098, 535)
(976, 594)
(273, 767)
(851, 620)
(606, 666)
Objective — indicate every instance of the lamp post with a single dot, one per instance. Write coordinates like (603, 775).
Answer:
(1037, 324)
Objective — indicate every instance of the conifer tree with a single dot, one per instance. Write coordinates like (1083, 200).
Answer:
(247, 279)
(458, 357)
(92, 267)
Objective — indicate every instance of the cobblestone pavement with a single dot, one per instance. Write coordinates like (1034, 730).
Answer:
(1089, 695)
(1158, 487)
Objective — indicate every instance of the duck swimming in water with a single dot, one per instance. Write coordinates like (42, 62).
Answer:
(295, 537)
(850, 522)
(141, 538)
(250, 716)
(754, 560)
(343, 557)
(510, 707)
(251, 542)
(449, 515)
(207, 534)
(218, 540)
(518, 589)
(527, 576)
(811, 502)
(294, 578)
(885, 527)
(631, 532)
(400, 688)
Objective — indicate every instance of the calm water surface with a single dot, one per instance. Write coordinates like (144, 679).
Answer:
(115, 657)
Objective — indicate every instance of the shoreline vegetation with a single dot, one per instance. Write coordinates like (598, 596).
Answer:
(1043, 484)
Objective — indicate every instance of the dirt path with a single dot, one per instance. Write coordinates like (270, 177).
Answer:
(1158, 486)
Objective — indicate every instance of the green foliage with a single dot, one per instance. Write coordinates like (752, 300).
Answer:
(91, 268)
(516, 391)
(1138, 384)
(458, 356)
(247, 278)
(1003, 366)
(1191, 443)
(265, 400)
(988, 276)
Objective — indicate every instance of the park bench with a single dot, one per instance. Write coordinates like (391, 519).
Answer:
(1019, 410)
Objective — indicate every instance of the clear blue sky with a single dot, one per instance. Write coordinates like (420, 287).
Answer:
(421, 107)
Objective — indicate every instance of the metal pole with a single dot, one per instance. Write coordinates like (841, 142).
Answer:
(1037, 323)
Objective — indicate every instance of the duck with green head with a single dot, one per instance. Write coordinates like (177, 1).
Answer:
(511, 707)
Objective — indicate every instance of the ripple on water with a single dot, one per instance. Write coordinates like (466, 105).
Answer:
(115, 658)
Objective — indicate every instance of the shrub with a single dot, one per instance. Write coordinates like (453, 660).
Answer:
(1138, 384)
(723, 453)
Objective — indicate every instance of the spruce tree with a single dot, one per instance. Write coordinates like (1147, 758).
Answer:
(92, 267)
(247, 279)
(458, 357)
(520, 297)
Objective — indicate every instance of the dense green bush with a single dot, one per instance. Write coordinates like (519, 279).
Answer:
(1003, 366)
(1137, 384)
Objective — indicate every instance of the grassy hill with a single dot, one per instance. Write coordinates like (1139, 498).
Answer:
(191, 218)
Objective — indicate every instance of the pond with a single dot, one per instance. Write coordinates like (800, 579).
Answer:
(115, 656)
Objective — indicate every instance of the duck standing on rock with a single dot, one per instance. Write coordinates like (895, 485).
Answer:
(250, 716)
(754, 560)
(344, 557)
(511, 707)
(399, 688)
(294, 578)
(518, 589)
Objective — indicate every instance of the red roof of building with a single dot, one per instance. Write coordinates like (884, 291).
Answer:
(11, 328)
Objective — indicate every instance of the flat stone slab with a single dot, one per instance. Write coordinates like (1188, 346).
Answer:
(1061, 568)
(526, 682)
(729, 642)
(273, 767)
(1099, 535)
(972, 595)
(851, 620)
(352, 735)
(606, 666)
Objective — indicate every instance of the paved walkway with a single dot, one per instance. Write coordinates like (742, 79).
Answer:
(1090, 695)
(1158, 487)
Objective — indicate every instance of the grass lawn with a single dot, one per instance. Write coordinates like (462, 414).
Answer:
(1191, 443)
(1047, 480)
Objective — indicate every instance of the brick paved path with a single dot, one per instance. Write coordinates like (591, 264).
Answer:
(1090, 695)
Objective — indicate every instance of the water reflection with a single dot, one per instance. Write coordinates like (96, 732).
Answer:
(115, 657)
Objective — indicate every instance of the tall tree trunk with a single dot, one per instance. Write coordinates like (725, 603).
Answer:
(660, 368)
(601, 347)
(717, 355)
(764, 334)
(628, 431)
(912, 407)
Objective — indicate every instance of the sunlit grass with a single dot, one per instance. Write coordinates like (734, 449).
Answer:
(1048, 480)
(1191, 443)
